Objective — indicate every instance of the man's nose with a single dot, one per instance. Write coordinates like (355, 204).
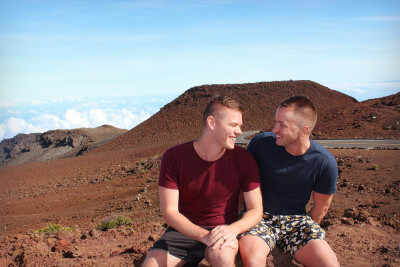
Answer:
(238, 131)
(275, 128)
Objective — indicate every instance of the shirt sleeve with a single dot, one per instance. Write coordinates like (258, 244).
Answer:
(251, 173)
(168, 171)
(326, 184)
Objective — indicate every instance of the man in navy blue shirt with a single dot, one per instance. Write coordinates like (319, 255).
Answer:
(293, 169)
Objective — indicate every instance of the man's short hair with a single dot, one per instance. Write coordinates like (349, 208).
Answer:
(212, 107)
(303, 106)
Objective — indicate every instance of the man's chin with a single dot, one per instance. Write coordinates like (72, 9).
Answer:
(230, 146)
(279, 142)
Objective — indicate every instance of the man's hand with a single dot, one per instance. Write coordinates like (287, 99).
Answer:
(220, 237)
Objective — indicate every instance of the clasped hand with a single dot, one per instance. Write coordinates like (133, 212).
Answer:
(221, 236)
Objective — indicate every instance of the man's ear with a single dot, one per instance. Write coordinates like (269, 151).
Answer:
(305, 130)
(211, 121)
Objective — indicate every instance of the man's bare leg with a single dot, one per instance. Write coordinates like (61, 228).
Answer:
(222, 257)
(160, 258)
(316, 253)
(253, 250)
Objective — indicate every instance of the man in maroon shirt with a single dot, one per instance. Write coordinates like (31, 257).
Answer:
(200, 185)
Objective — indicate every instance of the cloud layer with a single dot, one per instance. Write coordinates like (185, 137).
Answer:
(367, 90)
(43, 115)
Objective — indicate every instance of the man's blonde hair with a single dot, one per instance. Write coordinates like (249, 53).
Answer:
(212, 107)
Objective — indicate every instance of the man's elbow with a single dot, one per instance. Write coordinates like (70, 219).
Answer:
(168, 216)
(319, 214)
(322, 216)
(261, 212)
(324, 211)
(258, 213)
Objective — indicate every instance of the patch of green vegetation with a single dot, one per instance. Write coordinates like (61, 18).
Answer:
(112, 222)
(375, 167)
(53, 228)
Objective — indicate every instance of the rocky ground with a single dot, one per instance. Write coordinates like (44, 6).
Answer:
(362, 226)
(120, 179)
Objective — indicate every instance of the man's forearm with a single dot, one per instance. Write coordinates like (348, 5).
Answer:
(318, 214)
(321, 206)
(183, 225)
(249, 219)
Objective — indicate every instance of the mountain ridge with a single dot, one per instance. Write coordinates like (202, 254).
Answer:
(339, 116)
(54, 144)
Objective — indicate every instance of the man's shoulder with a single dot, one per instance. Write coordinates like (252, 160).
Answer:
(240, 151)
(180, 148)
(318, 148)
(323, 152)
(264, 137)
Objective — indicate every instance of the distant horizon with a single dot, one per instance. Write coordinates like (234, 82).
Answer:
(90, 112)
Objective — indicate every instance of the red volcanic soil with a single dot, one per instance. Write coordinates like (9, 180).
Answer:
(120, 178)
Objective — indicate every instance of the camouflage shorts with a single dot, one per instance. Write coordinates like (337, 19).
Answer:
(289, 232)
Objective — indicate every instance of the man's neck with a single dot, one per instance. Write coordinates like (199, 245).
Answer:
(207, 149)
(299, 148)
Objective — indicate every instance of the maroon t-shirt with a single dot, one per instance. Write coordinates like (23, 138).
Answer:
(208, 191)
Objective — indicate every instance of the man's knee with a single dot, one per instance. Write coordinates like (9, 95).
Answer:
(157, 258)
(253, 250)
(317, 253)
(221, 257)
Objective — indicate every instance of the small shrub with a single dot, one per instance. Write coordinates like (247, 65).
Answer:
(112, 222)
(53, 228)
(375, 167)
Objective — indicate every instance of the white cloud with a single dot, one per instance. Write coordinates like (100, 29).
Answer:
(13, 112)
(367, 90)
(126, 119)
(360, 91)
(49, 122)
(63, 99)
(71, 113)
(75, 119)
(123, 118)
(37, 102)
(7, 104)
(14, 126)
(97, 117)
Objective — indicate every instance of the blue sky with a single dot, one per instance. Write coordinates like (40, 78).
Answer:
(70, 64)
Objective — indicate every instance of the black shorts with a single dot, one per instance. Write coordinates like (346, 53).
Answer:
(181, 246)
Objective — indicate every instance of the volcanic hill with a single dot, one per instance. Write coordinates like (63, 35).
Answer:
(340, 116)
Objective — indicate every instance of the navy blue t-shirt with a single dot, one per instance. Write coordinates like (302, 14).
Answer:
(286, 180)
